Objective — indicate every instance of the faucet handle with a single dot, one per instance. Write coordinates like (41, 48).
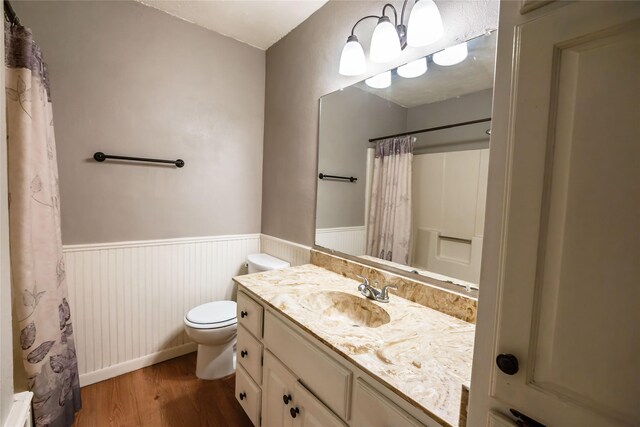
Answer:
(365, 280)
(384, 293)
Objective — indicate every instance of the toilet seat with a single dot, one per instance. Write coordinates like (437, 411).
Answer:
(212, 315)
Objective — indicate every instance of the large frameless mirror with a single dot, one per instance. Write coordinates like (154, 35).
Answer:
(403, 161)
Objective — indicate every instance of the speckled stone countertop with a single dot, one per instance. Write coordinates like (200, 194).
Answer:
(421, 354)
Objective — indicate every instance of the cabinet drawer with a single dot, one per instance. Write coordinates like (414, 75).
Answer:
(249, 354)
(372, 409)
(324, 377)
(249, 395)
(250, 314)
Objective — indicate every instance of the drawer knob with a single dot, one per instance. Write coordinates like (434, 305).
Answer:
(243, 314)
(243, 395)
(507, 363)
(286, 398)
(243, 353)
(294, 412)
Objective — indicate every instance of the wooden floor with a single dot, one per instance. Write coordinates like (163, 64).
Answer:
(164, 395)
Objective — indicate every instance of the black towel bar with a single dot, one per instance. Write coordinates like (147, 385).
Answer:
(346, 178)
(101, 157)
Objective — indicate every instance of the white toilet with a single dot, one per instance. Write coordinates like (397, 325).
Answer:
(214, 327)
(263, 262)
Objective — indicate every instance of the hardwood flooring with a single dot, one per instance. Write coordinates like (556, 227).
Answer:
(164, 395)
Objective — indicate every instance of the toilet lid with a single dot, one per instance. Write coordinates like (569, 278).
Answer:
(212, 312)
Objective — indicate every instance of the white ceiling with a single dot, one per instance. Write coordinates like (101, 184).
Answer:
(259, 23)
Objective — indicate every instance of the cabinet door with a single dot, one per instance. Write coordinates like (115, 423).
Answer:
(310, 412)
(568, 288)
(371, 409)
(277, 382)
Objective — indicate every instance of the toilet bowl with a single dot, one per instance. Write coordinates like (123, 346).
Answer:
(213, 326)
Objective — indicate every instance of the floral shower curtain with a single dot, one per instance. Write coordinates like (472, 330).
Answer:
(389, 233)
(40, 303)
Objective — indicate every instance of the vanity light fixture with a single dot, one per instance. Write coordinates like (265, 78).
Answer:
(413, 69)
(452, 55)
(380, 81)
(389, 39)
(385, 43)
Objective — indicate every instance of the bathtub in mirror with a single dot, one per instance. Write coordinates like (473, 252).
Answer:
(402, 169)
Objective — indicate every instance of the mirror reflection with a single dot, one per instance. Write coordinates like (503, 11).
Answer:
(403, 160)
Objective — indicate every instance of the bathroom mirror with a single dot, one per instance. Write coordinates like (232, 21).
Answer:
(402, 165)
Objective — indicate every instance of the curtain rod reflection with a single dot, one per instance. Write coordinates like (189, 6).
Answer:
(472, 122)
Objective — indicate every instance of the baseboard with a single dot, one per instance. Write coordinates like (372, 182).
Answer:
(132, 365)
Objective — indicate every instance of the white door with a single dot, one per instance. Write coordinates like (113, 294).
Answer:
(569, 287)
(277, 385)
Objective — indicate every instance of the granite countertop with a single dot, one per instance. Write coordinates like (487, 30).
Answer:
(421, 354)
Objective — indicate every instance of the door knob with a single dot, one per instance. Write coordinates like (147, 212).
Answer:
(243, 314)
(507, 363)
(286, 399)
(294, 412)
(243, 353)
(243, 395)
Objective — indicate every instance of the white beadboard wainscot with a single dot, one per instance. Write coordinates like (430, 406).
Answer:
(350, 240)
(293, 253)
(128, 299)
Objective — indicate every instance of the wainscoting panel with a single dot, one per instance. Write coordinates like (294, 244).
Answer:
(293, 253)
(349, 240)
(128, 299)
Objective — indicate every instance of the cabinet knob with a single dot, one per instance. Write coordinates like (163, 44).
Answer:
(507, 363)
(243, 314)
(294, 412)
(243, 395)
(286, 399)
(243, 353)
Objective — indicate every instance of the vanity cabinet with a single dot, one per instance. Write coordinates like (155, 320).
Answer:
(300, 382)
(286, 402)
(371, 408)
(310, 412)
(249, 395)
(278, 384)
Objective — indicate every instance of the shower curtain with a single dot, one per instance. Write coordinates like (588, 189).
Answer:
(40, 302)
(389, 234)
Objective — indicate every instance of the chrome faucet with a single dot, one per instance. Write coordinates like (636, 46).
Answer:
(372, 292)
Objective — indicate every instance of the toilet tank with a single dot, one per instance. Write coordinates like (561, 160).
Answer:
(264, 262)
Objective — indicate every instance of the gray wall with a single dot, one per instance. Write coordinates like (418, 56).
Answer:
(304, 66)
(349, 118)
(465, 108)
(128, 79)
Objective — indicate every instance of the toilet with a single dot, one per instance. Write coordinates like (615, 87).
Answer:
(213, 326)
(264, 262)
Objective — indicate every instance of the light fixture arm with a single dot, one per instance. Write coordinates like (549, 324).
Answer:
(360, 20)
(395, 13)
(404, 6)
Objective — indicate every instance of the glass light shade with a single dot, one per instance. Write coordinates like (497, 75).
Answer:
(451, 55)
(413, 69)
(425, 24)
(385, 42)
(352, 60)
(381, 81)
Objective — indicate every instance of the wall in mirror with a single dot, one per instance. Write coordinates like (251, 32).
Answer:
(417, 199)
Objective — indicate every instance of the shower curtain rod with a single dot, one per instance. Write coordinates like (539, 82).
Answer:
(455, 125)
(10, 13)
